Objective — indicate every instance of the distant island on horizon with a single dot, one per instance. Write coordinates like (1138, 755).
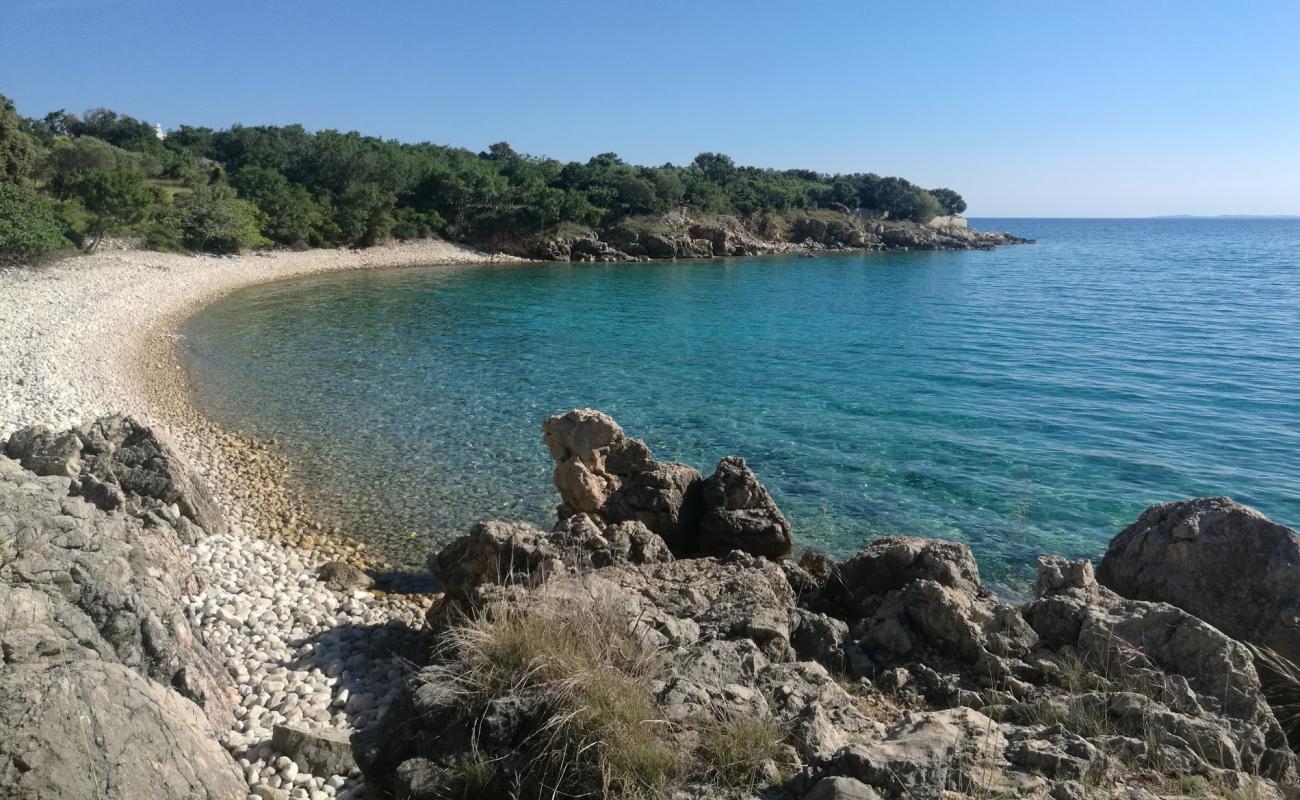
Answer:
(1225, 216)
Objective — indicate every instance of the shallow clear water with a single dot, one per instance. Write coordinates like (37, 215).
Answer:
(1026, 400)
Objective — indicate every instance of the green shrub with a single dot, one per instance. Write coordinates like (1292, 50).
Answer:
(214, 220)
(163, 231)
(409, 223)
(289, 214)
(30, 225)
(115, 200)
(17, 151)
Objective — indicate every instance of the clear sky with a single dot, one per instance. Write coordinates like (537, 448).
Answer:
(1045, 108)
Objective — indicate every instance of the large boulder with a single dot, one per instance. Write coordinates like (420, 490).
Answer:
(106, 690)
(738, 514)
(506, 553)
(665, 497)
(599, 470)
(95, 729)
(909, 599)
(46, 452)
(115, 459)
(924, 754)
(1218, 560)
(77, 582)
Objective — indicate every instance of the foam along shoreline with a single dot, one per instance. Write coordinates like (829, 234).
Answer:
(96, 335)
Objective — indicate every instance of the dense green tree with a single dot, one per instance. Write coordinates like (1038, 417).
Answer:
(213, 219)
(289, 214)
(67, 161)
(363, 214)
(29, 224)
(715, 166)
(17, 151)
(116, 200)
(950, 201)
(118, 130)
(335, 187)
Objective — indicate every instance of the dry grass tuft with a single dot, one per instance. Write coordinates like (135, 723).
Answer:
(739, 753)
(601, 734)
(1280, 678)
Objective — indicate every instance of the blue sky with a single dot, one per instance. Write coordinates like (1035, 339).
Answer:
(1027, 108)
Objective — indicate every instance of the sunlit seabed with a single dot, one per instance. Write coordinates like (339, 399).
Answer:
(1026, 400)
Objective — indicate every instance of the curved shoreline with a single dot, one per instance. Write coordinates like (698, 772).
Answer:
(98, 335)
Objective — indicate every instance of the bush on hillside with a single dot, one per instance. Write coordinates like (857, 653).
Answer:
(289, 214)
(30, 225)
(212, 219)
(115, 200)
(17, 151)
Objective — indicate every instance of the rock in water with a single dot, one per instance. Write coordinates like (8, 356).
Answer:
(739, 514)
(1221, 561)
(600, 471)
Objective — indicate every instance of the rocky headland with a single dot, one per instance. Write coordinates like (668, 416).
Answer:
(678, 235)
(660, 640)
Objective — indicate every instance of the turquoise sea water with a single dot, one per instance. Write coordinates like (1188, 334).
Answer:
(1025, 400)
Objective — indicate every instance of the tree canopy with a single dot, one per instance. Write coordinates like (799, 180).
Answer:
(287, 185)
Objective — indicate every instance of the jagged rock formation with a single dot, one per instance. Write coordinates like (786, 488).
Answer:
(677, 236)
(894, 674)
(602, 472)
(105, 691)
(1226, 563)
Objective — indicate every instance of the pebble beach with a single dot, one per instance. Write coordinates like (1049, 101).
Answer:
(95, 335)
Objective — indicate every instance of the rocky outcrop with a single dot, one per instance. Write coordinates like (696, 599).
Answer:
(92, 728)
(602, 472)
(894, 674)
(676, 235)
(841, 233)
(1158, 671)
(505, 553)
(114, 460)
(1221, 561)
(96, 642)
(921, 599)
(737, 513)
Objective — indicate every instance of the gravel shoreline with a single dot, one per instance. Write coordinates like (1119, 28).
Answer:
(95, 335)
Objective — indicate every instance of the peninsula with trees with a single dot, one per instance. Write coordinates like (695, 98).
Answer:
(68, 181)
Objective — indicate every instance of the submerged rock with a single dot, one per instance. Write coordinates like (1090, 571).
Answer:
(343, 577)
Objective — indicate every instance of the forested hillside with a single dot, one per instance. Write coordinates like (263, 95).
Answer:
(69, 181)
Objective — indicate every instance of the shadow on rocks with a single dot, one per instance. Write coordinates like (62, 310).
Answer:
(369, 662)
